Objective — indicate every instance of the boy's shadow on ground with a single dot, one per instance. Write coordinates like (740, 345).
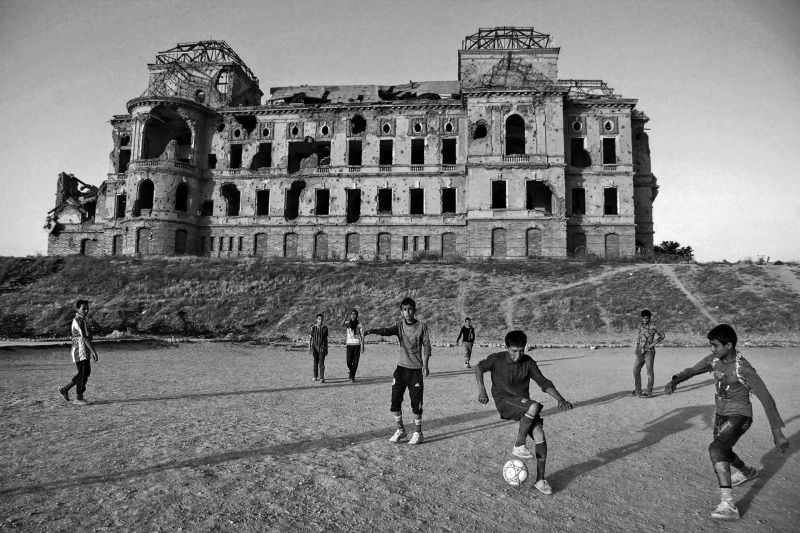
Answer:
(771, 462)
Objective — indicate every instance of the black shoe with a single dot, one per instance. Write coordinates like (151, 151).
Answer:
(646, 394)
(636, 393)
(64, 392)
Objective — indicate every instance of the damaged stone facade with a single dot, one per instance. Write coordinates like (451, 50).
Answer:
(508, 161)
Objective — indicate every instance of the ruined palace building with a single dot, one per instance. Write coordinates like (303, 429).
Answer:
(507, 161)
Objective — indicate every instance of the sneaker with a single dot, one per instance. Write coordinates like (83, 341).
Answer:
(744, 475)
(543, 486)
(522, 452)
(636, 393)
(315, 379)
(646, 394)
(466, 365)
(81, 402)
(416, 438)
(64, 392)
(398, 435)
(322, 380)
(726, 511)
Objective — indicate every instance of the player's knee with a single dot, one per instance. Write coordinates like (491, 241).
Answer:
(534, 409)
(717, 452)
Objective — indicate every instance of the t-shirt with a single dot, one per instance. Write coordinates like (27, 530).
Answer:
(414, 340)
(735, 378)
(510, 379)
(354, 335)
(467, 334)
(78, 332)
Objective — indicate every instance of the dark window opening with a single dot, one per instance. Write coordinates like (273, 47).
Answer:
(232, 197)
(211, 244)
(448, 200)
(384, 200)
(230, 244)
(263, 158)
(164, 126)
(119, 207)
(222, 244)
(146, 189)
(91, 210)
(499, 194)
(262, 202)
(405, 243)
(538, 196)
(353, 208)
(323, 202)
(448, 151)
(480, 131)
(182, 198)
(415, 245)
(354, 153)
(386, 156)
(426, 243)
(416, 200)
(610, 201)
(125, 140)
(357, 125)
(609, 151)
(579, 157)
(417, 151)
(124, 160)
(515, 135)
(578, 201)
(248, 122)
(116, 245)
(212, 161)
(241, 244)
(352, 244)
(308, 154)
(236, 156)
(291, 209)
(180, 242)
(207, 209)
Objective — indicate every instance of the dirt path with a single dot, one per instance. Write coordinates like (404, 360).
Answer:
(669, 271)
(788, 276)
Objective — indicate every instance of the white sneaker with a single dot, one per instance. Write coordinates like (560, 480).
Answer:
(725, 511)
(399, 434)
(543, 486)
(742, 476)
(416, 438)
(522, 452)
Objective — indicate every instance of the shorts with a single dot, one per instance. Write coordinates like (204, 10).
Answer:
(411, 379)
(728, 429)
(513, 407)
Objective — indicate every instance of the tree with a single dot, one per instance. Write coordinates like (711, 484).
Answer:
(674, 250)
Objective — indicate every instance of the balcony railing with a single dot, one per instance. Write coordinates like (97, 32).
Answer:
(323, 170)
(520, 158)
(160, 163)
(384, 168)
(353, 170)
(417, 168)
(609, 167)
(448, 168)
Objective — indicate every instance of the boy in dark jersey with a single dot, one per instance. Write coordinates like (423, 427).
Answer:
(82, 352)
(318, 347)
(512, 371)
(735, 379)
(467, 336)
(411, 368)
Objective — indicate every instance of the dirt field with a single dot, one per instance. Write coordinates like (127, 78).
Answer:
(229, 437)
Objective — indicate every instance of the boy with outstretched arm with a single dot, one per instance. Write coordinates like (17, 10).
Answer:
(735, 380)
(411, 367)
(82, 349)
(512, 372)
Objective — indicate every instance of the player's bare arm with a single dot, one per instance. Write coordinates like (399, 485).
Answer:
(563, 404)
(482, 396)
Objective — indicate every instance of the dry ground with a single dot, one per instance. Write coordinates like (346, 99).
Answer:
(232, 437)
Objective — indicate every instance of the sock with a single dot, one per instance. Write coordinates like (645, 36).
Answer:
(540, 449)
(525, 425)
(398, 420)
(727, 494)
(418, 425)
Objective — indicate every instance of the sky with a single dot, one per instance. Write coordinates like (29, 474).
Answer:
(719, 80)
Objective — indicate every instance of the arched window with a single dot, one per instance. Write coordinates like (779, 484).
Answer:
(515, 135)
(498, 242)
(384, 246)
(533, 242)
(182, 198)
(180, 242)
(260, 245)
(146, 192)
(290, 245)
(320, 246)
(352, 245)
(612, 246)
(163, 126)
(448, 244)
(143, 241)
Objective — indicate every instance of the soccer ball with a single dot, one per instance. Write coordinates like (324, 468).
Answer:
(515, 472)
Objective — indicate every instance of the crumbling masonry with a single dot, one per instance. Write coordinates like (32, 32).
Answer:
(507, 161)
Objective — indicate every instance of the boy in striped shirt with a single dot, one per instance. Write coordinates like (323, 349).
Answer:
(82, 349)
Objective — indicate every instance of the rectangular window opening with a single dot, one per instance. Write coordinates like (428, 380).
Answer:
(610, 201)
(578, 201)
(448, 200)
(448, 151)
(263, 158)
(323, 202)
(119, 209)
(124, 160)
(498, 194)
(417, 201)
(262, 202)
(207, 209)
(353, 209)
(386, 156)
(538, 196)
(609, 151)
(212, 161)
(236, 156)
(417, 151)
(354, 152)
(384, 200)
(426, 243)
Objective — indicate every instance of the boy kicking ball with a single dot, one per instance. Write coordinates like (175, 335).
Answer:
(512, 371)
(735, 379)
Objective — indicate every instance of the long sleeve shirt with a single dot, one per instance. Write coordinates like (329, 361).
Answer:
(319, 339)
(414, 340)
(647, 337)
(735, 379)
(467, 333)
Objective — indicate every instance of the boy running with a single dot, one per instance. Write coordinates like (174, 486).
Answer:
(81, 350)
(467, 335)
(318, 347)
(512, 371)
(411, 367)
(735, 380)
(647, 336)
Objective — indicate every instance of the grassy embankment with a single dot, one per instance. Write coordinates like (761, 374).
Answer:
(558, 302)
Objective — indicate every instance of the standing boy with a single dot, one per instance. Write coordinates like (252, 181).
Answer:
(81, 350)
(512, 371)
(318, 347)
(648, 335)
(735, 380)
(411, 367)
(467, 336)
(354, 343)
